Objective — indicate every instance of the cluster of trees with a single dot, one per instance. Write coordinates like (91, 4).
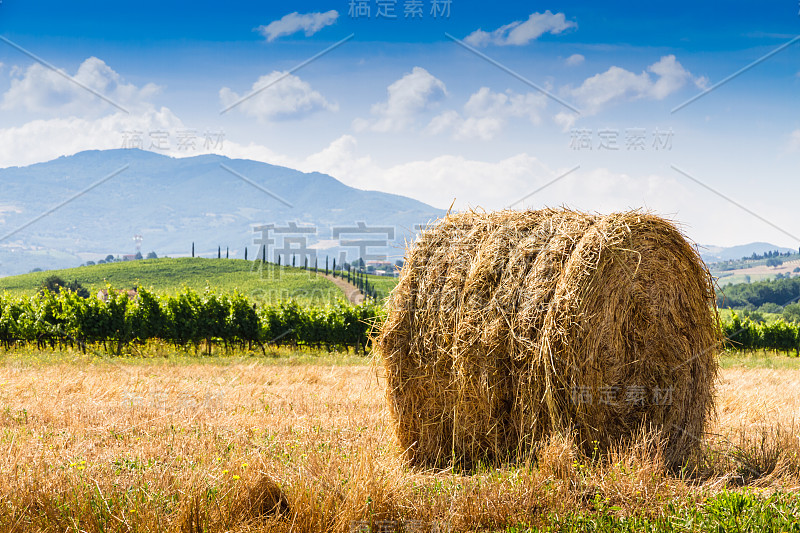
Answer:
(186, 320)
(112, 259)
(787, 275)
(752, 296)
(774, 262)
(768, 255)
(56, 284)
(789, 313)
(773, 258)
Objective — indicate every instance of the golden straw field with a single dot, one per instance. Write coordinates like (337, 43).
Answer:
(303, 443)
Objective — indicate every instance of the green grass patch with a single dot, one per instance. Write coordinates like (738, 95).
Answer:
(758, 359)
(156, 354)
(383, 284)
(725, 511)
(267, 284)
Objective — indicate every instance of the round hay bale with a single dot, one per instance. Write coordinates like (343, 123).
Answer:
(508, 327)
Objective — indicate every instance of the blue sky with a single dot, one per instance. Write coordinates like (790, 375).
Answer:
(402, 108)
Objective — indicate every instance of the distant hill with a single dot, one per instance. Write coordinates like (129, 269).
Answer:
(75, 210)
(715, 254)
(269, 284)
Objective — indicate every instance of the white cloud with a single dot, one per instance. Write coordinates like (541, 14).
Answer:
(310, 23)
(702, 82)
(671, 77)
(574, 60)
(565, 120)
(498, 184)
(43, 140)
(39, 89)
(486, 113)
(484, 128)
(794, 141)
(340, 158)
(486, 103)
(409, 96)
(522, 32)
(615, 84)
(436, 181)
(443, 122)
(289, 98)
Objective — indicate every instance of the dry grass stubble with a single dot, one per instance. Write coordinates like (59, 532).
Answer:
(96, 446)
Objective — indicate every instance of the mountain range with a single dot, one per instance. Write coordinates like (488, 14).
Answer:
(88, 205)
(715, 254)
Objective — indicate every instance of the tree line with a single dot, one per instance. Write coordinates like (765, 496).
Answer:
(780, 293)
(187, 320)
(356, 273)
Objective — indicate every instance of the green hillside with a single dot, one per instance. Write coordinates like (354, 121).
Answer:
(169, 276)
(383, 284)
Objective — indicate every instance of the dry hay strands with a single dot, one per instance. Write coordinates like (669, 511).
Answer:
(509, 327)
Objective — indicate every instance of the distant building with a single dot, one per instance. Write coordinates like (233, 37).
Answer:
(385, 265)
(381, 268)
(132, 294)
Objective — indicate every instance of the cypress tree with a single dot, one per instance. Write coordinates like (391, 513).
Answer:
(245, 253)
(192, 249)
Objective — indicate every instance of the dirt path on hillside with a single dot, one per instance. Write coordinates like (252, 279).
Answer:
(352, 293)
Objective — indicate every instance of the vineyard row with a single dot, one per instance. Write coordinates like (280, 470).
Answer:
(186, 320)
